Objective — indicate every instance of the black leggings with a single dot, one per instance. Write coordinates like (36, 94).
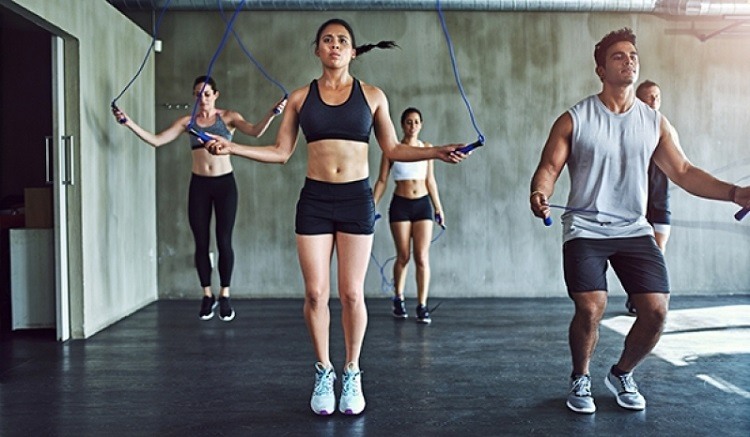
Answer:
(220, 194)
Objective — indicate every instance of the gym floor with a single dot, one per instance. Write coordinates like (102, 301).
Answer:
(484, 367)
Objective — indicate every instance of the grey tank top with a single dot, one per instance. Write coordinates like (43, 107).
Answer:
(218, 128)
(608, 168)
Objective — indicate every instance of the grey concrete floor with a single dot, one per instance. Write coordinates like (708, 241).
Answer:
(484, 367)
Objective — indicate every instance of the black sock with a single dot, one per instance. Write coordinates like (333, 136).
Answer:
(617, 371)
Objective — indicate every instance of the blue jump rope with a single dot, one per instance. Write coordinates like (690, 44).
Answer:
(192, 129)
(386, 285)
(122, 120)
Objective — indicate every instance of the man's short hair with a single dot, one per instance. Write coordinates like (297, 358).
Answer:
(600, 50)
(645, 84)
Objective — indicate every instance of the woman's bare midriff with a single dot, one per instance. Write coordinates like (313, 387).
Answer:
(411, 188)
(337, 161)
(206, 164)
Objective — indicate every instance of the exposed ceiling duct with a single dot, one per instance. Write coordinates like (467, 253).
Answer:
(667, 7)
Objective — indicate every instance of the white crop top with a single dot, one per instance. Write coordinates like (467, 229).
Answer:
(404, 171)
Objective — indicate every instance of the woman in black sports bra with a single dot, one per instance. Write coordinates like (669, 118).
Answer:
(336, 209)
(212, 186)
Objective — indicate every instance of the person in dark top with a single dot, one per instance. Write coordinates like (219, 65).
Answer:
(335, 211)
(212, 186)
(657, 209)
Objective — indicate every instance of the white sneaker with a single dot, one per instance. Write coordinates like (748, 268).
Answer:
(625, 390)
(323, 401)
(352, 399)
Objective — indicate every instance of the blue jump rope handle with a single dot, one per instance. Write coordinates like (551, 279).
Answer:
(547, 221)
(121, 120)
(469, 147)
(439, 220)
(199, 134)
(277, 111)
(741, 213)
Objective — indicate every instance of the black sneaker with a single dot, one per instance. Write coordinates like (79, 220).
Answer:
(226, 312)
(399, 310)
(630, 307)
(423, 315)
(207, 308)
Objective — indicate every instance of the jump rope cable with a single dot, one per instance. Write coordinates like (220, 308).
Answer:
(388, 286)
(480, 135)
(252, 58)
(213, 59)
(148, 52)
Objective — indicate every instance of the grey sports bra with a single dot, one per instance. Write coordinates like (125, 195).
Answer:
(218, 128)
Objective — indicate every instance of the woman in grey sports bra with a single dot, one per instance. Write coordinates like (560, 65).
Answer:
(212, 186)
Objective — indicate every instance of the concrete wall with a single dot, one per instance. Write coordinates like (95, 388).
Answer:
(520, 71)
(112, 208)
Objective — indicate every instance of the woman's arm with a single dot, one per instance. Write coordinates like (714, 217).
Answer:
(385, 133)
(286, 138)
(258, 129)
(432, 190)
(380, 185)
(166, 136)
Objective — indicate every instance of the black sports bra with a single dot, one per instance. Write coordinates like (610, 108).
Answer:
(351, 120)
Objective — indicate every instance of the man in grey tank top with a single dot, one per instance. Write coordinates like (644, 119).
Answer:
(607, 141)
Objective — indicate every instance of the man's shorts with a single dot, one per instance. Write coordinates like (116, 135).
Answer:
(637, 261)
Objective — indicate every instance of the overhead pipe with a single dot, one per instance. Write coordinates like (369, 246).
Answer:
(667, 7)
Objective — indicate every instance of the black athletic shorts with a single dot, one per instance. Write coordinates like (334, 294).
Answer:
(410, 210)
(326, 208)
(637, 262)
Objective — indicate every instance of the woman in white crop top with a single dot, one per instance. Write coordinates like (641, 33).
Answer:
(410, 215)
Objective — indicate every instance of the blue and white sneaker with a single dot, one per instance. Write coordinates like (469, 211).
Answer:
(323, 401)
(352, 399)
(579, 398)
(625, 390)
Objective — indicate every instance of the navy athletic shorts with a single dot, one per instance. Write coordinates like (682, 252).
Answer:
(410, 210)
(637, 262)
(327, 208)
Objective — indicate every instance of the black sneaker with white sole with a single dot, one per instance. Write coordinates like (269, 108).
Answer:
(226, 312)
(207, 308)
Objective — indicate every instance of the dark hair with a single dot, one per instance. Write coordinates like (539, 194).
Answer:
(645, 84)
(600, 50)
(364, 48)
(207, 80)
(408, 111)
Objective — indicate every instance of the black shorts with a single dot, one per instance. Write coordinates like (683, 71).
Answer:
(410, 210)
(326, 208)
(637, 262)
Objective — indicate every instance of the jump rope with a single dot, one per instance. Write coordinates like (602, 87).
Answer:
(388, 285)
(123, 120)
(192, 128)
